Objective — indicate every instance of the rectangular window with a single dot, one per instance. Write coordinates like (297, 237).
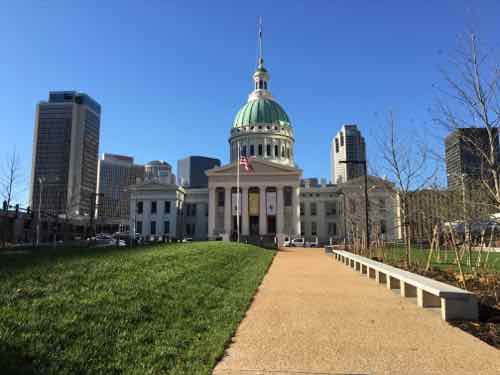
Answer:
(268, 150)
(244, 150)
(336, 145)
(288, 196)
(190, 209)
(252, 150)
(190, 229)
(153, 207)
(167, 207)
(166, 227)
(260, 150)
(314, 230)
(332, 229)
(140, 207)
(153, 228)
(313, 208)
(276, 151)
(330, 208)
(220, 198)
(138, 227)
(302, 210)
(383, 227)
(302, 227)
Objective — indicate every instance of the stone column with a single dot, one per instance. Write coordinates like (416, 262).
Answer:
(227, 210)
(280, 217)
(244, 212)
(296, 211)
(211, 211)
(262, 213)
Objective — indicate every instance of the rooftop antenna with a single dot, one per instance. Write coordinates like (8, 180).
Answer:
(261, 59)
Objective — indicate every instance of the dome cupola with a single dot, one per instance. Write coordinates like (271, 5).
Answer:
(261, 128)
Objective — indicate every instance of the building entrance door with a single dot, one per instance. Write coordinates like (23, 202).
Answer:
(254, 225)
(271, 225)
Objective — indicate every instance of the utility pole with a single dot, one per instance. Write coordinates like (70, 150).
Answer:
(363, 162)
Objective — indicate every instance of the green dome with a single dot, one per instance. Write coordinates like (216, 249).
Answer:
(261, 111)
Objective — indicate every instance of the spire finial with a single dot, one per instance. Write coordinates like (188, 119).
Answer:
(261, 58)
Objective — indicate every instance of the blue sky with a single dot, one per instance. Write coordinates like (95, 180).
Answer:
(171, 75)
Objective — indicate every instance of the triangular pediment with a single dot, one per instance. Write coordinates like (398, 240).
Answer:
(260, 167)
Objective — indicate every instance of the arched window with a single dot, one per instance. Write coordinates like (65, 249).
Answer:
(260, 150)
(288, 153)
(268, 150)
(282, 151)
(252, 150)
(276, 151)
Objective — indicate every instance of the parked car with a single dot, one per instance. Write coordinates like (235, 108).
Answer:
(313, 243)
(298, 242)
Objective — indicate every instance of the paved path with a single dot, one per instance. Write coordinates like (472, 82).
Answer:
(313, 315)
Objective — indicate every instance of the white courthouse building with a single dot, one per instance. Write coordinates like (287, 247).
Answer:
(272, 202)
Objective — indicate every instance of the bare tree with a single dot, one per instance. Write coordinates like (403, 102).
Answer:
(10, 178)
(410, 165)
(471, 99)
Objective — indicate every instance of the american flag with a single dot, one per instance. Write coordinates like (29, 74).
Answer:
(245, 163)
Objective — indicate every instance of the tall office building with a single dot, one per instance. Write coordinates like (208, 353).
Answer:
(347, 145)
(191, 171)
(65, 153)
(464, 151)
(115, 174)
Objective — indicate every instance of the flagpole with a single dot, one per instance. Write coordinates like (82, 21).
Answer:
(238, 195)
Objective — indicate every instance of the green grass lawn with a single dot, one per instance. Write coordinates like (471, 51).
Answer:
(447, 261)
(167, 309)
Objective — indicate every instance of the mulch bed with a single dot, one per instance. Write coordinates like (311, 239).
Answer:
(487, 328)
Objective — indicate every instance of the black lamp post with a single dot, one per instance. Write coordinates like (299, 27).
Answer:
(363, 162)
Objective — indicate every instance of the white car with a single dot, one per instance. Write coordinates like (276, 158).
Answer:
(298, 242)
(312, 243)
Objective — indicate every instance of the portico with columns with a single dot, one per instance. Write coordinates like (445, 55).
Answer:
(269, 201)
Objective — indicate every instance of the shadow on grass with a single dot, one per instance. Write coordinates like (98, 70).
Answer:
(14, 361)
(18, 259)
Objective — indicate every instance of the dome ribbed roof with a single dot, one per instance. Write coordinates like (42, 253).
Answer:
(261, 111)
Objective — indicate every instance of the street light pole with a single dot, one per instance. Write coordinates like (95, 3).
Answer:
(363, 162)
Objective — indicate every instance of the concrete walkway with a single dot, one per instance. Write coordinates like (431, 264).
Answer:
(313, 315)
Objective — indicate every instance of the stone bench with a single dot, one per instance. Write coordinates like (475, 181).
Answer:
(455, 303)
